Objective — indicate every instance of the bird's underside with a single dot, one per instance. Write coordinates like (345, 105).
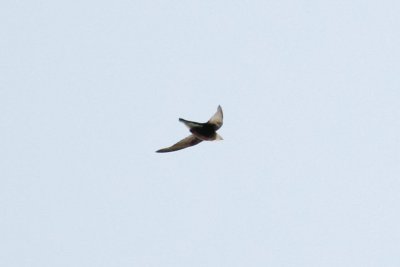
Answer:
(200, 132)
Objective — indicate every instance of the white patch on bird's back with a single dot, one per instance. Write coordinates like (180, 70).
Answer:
(218, 138)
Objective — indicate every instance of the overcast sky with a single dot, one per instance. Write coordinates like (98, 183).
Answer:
(308, 172)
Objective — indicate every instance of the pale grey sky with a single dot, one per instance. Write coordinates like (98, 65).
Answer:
(307, 175)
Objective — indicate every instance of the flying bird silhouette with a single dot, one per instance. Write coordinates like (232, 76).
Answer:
(200, 132)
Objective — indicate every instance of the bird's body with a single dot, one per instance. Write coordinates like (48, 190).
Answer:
(200, 132)
(204, 131)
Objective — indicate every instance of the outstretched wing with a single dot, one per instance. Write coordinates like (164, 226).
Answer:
(217, 118)
(191, 140)
(190, 124)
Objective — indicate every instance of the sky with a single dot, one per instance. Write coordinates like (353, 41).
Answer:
(307, 174)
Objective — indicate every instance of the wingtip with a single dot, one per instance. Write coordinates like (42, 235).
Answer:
(220, 109)
(164, 150)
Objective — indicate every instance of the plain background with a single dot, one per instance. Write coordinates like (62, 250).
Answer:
(308, 172)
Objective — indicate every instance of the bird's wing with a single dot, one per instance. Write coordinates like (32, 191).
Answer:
(190, 124)
(191, 140)
(217, 118)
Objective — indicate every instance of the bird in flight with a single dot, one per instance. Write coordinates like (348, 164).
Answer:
(200, 132)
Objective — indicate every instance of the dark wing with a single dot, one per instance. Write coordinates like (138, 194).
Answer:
(217, 118)
(191, 140)
(191, 124)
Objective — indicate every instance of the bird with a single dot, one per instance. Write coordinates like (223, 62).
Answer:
(200, 132)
